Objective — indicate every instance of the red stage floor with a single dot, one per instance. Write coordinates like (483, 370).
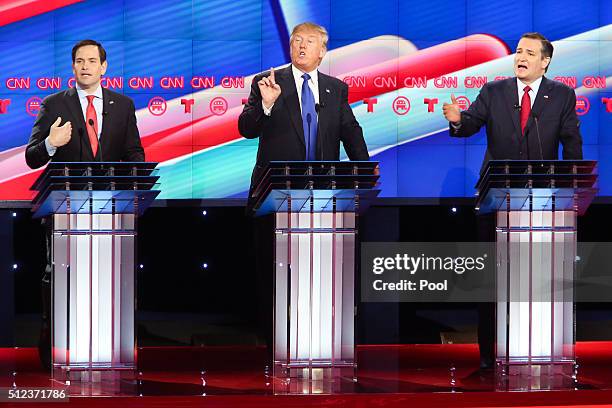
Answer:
(389, 376)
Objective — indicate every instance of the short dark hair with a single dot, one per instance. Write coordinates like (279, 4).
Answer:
(84, 43)
(547, 47)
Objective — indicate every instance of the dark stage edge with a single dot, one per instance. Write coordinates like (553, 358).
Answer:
(388, 376)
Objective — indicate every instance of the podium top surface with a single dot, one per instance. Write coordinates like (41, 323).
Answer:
(110, 187)
(93, 169)
(523, 185)
(322, 181)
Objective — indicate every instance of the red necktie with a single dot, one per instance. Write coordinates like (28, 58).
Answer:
(525, 108)
(92, 118)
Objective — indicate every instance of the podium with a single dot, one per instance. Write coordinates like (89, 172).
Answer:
(94, 209)
(316, 206)
(536, 205)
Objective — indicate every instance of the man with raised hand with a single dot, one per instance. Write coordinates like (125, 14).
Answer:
(526, 116)
(299, 113)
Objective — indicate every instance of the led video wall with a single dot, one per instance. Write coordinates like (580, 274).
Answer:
(188, 65)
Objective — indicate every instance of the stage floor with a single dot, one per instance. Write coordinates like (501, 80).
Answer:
(387, 375)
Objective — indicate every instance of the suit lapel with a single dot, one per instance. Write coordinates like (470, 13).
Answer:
(290, 98)
(107, 106)
(323, 119)
(74, 107)
(541, 100)
(511, 98)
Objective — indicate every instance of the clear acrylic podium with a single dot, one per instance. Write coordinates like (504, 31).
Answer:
(94, 208)
(536, 205)
(316, 207)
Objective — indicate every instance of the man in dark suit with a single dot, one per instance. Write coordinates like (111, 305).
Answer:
(515, 110)
(526, 117)
(85, 123)
(88, 122)
(299, 113)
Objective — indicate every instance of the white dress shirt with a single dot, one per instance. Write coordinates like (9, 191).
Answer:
(532, 92)
(98, 106)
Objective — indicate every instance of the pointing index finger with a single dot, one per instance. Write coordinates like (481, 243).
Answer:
(272, 76)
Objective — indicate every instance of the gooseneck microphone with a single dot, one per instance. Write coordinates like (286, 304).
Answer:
(535, 118)
(308, 120)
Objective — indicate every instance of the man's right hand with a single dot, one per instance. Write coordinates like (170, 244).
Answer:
(60, 135)
(270, 90)
(451, 111)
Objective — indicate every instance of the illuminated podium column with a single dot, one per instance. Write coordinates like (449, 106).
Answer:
(315, 207)
(536, 204)
(94, 208)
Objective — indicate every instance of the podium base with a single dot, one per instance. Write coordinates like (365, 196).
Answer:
(536, 376)
(314, 379)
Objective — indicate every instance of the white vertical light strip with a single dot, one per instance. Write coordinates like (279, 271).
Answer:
(103, 315)
(79, 336)
(61, 291)
(502, 287)
(96, 299)
(316, 310)
(303, 336)
(325, 329)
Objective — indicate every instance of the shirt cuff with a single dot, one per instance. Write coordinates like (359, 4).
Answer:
(50, 149)
(267, 111)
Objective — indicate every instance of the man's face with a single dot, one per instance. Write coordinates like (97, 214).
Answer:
(528, 62)
(307, 50)
(87, 67)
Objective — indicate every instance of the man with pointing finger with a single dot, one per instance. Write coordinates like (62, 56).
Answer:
(527, 116)
(299, 113)
(87, 122)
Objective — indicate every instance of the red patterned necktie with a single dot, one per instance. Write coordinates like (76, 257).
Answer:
(525, 108)
(92, 118)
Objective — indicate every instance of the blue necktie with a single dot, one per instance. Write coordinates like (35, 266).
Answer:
(309, 119)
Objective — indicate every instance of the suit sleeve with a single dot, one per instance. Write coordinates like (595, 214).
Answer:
(133, 151)
(252, 118)
(570, 136)
(351, 132)
(36, 154)
(474, 117)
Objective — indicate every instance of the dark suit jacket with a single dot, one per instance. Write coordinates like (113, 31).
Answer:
(496, 107)
(119, 139)
(281, 135)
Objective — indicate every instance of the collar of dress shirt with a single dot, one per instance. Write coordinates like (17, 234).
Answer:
(82, 94)
(297, 75)
(535, 85)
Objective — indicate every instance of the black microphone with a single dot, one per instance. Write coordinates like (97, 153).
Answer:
(517, 106)
(90, 122)
(535, 118)
(319, 106)
(308, 120)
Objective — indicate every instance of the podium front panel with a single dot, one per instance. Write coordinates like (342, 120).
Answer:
(93, 291)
